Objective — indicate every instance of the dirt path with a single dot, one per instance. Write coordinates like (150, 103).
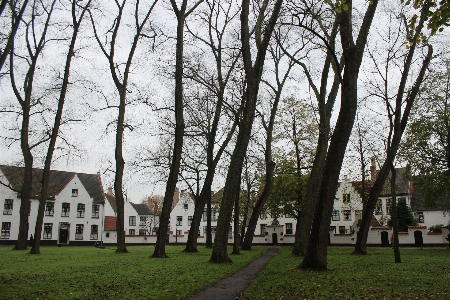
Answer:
(232, 287)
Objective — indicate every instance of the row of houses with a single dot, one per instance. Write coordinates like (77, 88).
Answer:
(78, 212)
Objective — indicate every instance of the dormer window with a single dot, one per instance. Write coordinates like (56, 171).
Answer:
(74, 192)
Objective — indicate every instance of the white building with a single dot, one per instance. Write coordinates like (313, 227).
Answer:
(73, 210)
(140, 222)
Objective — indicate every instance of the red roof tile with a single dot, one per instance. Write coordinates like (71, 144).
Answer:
(110, 223)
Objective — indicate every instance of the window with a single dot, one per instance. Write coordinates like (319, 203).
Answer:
(213, 230)
(142, 232)
(333, 228)
(95, 211)
(79, 231)
(65, 209)
(185, 205)
(341, 229)
(49, 208)
(6, 227)
(47, 230)
(388, 206)
(107, 235)
(213, 215)
(378, 207)
(132, 221)
(94, 232)
(420, 217)
(8, 207)
(289, 228)
(335, 216)
(132, 232)
(80, 210)
(190, 220)
(346, 198)
(74, 192)
(179, 220)
(347, 215)
(178, 232)
(263, 229)
(142, 221)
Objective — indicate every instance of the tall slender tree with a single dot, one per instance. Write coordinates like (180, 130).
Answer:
(225, 64)
(76, 22)
(121, 80)
(398, 115)
(181, 13)
(253, 72)
(316, 251)
(35, 39)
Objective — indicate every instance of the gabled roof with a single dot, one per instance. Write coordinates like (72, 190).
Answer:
(418, 203)
(110, 223)
(142, 209)
(58, 181)
(112, 201)
(401, 183)
(374, 222)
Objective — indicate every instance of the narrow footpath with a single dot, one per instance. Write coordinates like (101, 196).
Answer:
(232, 287)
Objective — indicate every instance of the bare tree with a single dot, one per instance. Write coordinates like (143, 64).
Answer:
(316, 21)
(398, 115)
(121, 80)
(16, 11)
(35, 39)
(181, 13)
(276, 90)
(218, 19)
(253, 72)
(316, 251)
(76, 22)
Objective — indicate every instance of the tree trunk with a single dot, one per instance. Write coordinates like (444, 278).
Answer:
(118, 180)
(312, 188)
(209, 241)
(248, 240)
(55, 130)
(179, 133)
(253, 76)
(191, 245)
(398, 129)
(394, 214)
(236, 226)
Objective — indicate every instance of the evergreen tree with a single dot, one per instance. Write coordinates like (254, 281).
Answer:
(404, 216)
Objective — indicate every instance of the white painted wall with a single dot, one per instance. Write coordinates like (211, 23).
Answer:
(64, 196)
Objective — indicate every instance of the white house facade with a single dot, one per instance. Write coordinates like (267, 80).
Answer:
(73, 211)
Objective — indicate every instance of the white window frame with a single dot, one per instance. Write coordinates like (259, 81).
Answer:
(8, 206)
(79, 228)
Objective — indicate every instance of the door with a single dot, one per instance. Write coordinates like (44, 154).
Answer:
(63, 233)
(418, 239)
(274, 239)
(384, 239)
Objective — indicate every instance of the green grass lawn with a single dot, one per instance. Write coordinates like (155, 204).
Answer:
(91, 273)
(423, 274)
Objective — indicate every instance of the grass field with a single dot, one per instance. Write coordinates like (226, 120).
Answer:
(91, 273)
(423, 274)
